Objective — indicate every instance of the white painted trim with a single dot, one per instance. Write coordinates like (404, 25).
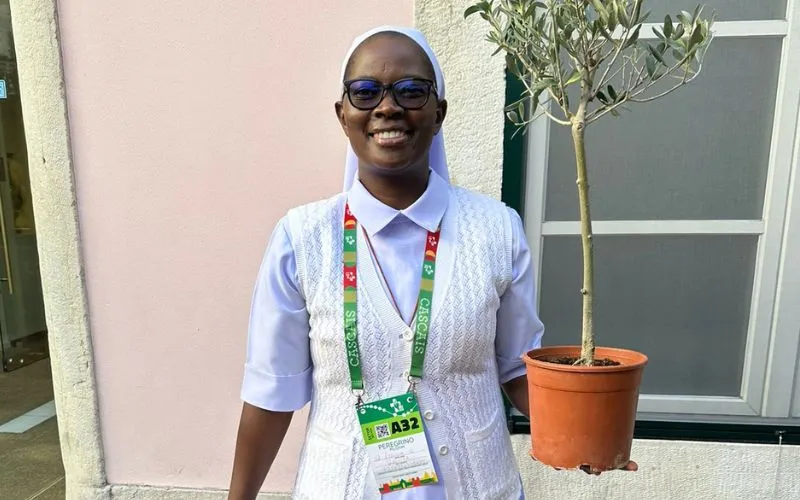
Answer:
(749, 29)
(44, 106)
(564, 228)
(783, 376)
(705, 405)
(775, 205)
(726, 29)
(538, 135)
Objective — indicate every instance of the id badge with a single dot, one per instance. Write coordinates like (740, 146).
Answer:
(394, 436)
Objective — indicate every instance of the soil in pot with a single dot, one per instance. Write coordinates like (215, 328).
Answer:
(573, 360)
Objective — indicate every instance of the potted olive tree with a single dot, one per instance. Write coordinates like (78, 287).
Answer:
(581, 61)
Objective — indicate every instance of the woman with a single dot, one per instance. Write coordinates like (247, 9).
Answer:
(403, 295)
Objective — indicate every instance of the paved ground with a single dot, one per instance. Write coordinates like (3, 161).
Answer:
(30, 462)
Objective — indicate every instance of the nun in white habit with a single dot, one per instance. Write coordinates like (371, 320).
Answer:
(399, 309)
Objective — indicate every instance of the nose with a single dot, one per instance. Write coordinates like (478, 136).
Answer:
(388, 107)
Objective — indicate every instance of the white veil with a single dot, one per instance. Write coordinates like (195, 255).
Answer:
(438, 158)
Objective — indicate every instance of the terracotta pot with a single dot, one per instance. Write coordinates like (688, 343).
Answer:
(583, 416)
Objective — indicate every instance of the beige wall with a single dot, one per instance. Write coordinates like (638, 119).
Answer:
(194, 126)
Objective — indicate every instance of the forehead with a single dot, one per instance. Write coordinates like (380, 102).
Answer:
(389, 55)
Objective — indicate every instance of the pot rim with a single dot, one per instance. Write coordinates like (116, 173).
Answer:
(629, 359)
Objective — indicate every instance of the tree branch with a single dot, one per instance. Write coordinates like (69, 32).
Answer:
(678, 85)
(557, 120)
(631, 96)
(634, 94)
(542, 112)
(621, 44)
(557, 57)
(531, 93)
(599, 113)
(611, 78)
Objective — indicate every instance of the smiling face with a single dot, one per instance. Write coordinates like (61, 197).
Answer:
(389, 139)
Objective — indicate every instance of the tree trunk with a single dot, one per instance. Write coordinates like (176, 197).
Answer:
(587, 330)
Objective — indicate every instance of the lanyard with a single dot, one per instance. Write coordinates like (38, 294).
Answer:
(350, 284)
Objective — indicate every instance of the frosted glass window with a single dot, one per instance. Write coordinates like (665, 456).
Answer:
(726, 10)
(700, 153)
(684, 301)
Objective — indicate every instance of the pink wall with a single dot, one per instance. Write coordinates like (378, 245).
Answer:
(186, 154)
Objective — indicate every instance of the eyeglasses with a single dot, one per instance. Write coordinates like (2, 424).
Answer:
(409, 93)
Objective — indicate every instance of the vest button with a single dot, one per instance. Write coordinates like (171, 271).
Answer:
(408, 335)
(443, 450)
(428, 415)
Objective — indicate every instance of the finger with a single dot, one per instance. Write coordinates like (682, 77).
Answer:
(631, 466)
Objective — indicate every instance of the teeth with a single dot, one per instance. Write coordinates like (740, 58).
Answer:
(390, 134)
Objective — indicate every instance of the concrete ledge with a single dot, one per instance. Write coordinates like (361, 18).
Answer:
(674, 470)
(79, 492)
(668, 470)
(133, 492)
(142, 492)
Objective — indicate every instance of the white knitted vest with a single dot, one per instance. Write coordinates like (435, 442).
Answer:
(459, 394)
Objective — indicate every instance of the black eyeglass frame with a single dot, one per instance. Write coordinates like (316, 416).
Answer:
(431, 89)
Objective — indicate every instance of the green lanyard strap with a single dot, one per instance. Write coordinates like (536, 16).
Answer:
(350, 285)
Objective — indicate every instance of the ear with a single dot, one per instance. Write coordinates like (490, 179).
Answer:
(441, 113)
(339, 107)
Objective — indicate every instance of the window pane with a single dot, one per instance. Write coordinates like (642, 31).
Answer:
(699, 153)
(726, 10)
(684, 301)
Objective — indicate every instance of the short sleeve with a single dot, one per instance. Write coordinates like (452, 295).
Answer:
(278, 368)
(519, 328)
